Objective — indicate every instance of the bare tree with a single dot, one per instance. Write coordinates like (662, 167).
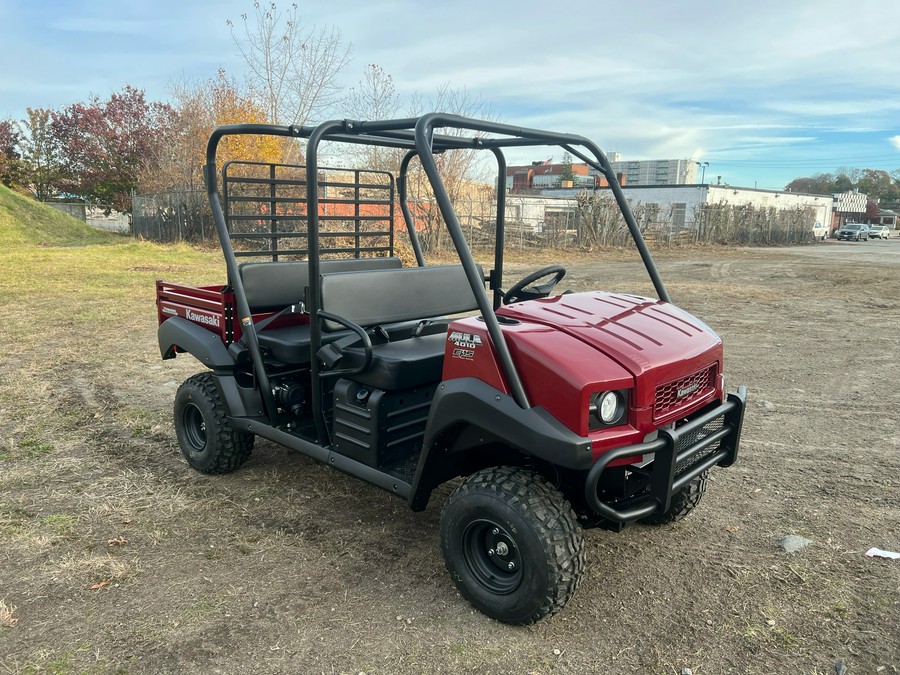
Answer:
(293, 70)
(373, 98)
(460, 169)
(466, 174)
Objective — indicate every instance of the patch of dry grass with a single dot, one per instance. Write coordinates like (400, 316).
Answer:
(7, 612)
(92, 568)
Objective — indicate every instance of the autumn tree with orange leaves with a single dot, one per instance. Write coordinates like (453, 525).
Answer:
(200, 107)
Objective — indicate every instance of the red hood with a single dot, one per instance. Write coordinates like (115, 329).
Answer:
(650, 338)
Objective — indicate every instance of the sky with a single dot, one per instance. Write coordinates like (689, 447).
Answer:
(764, 91)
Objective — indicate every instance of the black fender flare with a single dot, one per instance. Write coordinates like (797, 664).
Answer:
(203, 345)
(467, 413)
(207, 347)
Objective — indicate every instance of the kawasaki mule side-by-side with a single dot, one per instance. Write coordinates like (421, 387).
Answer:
(552, 413)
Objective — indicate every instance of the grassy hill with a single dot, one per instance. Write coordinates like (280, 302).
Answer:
(23, 221)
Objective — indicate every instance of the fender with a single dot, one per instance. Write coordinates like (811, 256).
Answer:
(203, 345)
(466, 414)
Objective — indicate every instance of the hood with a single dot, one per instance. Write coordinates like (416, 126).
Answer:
(652, 339)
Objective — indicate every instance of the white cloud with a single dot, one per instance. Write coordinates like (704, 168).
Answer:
(651, 80)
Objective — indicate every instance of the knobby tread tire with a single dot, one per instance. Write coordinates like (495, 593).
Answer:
(550, 518)
(226, 449)
(683, 502)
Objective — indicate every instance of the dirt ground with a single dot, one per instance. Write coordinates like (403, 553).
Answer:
(115, 556)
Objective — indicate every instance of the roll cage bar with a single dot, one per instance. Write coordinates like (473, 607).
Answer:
(418, 137)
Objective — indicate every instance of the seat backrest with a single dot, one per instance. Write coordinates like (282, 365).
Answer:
(272, 286)
(376, 297)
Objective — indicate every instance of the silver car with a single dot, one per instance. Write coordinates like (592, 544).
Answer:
(879, 231)
(854, 232)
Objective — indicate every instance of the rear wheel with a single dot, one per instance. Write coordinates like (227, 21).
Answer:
(207, 441)
(683, 502)
(512, 545)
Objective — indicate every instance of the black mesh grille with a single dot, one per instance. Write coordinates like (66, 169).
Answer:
(693, 437)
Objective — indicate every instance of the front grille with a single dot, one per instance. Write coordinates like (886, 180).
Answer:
(693, 437)
(678, 394)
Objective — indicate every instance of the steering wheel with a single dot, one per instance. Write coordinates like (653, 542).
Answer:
(519, 292)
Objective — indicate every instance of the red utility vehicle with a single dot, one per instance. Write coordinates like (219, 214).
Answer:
(559, 413)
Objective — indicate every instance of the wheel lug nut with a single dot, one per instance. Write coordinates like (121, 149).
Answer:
(490, 551)
(511, 565)
(495, 531)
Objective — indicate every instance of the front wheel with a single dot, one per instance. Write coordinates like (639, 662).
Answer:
(512, 545)
(207, 441)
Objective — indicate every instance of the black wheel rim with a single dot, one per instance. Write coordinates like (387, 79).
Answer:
(194, 427)
(492, 556)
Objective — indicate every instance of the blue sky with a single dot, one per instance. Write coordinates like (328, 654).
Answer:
(763, 91)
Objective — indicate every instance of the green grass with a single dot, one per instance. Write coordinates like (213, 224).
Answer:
(59, 269)
(24, 221)
(28, 448)
(98, 284)
(61, 522)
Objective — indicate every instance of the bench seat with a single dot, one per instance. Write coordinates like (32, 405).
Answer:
(378, 297)
(272, 286)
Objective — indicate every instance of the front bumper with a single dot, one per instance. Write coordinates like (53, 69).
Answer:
(680, 455)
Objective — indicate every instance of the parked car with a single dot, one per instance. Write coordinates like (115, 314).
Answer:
(854, 231)
(879, 231)
(820, 232)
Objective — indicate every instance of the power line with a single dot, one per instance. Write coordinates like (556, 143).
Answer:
(806, 161)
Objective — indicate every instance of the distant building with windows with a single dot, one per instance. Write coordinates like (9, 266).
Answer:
(546, 174)
(542, 175)
(887, 217)
(654, 171)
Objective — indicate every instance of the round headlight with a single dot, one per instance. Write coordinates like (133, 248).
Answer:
(608, 407)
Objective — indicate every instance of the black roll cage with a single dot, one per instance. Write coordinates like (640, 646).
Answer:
(418, 137)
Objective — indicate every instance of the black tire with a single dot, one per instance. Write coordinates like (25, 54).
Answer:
(512, 545)
(207, 441)
(683, 502)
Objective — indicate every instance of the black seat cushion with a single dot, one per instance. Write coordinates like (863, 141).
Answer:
(403, 364)
(288, 344)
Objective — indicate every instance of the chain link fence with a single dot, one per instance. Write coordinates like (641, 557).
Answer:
(588, 221)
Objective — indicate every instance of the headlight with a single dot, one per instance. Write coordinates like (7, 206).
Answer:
(608, 408)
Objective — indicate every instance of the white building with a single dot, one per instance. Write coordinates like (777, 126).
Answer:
(683, 201)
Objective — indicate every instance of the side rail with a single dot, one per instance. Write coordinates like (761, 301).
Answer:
(209, 307)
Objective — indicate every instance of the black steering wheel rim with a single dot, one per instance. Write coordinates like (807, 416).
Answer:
(542, 291)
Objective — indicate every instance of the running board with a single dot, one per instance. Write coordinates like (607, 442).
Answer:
(326, 455)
